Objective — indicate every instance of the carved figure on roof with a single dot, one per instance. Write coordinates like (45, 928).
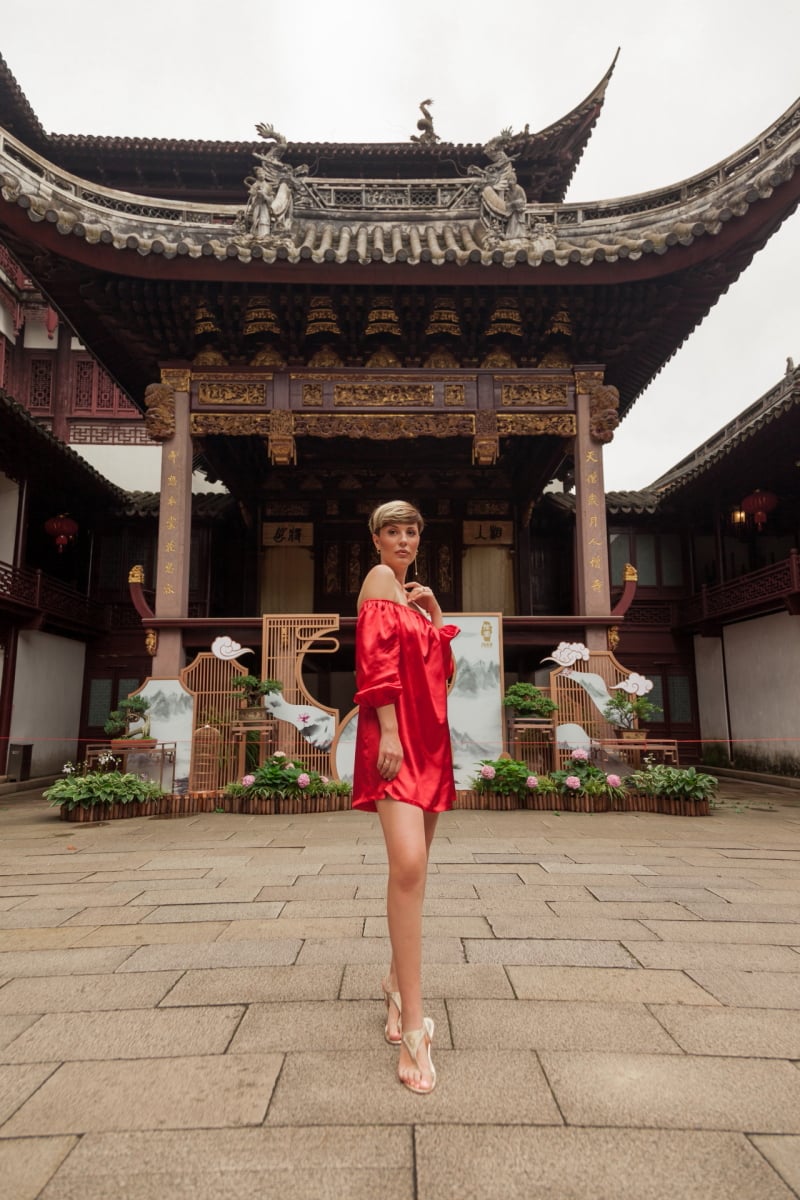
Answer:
(272, 188)
(428, 136)
(503, 199)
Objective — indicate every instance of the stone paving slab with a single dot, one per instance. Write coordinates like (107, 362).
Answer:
(458, 927)
(513, 925)
(609, 985)
(11, 1028)
(494, 1163)
(749, 989)
(650, 910)
(26, 1164)
(475, 1087)
(141, 934)
(745, 1032)
(684, 956)
(671, 1091)
(783, 1153)
(85, 993)
(180, 956)
(285, 927)
(209, 910)
(551, 952)
(747, 912)
(336, 1163)
(17, 1083)
(41, 939)
(557, 1025)
(378, 950)
(643, 895)
(168, 1093)
(318, 1025)
(62, 962)
(137, 1033)
(762, 933)
(463, 980)
(253, 985)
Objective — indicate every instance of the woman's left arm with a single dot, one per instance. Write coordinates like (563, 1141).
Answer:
(424, 598)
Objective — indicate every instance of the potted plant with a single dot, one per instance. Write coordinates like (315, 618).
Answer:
(625, 711)
(134, 711)
(529, 701)
(250, 690)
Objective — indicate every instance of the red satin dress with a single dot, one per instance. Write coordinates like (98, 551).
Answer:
(403, 659)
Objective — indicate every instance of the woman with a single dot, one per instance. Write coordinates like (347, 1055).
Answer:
(403, 761)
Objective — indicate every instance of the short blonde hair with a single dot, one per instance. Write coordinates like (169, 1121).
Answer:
(398, 512)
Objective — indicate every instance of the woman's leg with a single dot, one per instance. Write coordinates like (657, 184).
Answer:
(393, 1019)
(408, 832)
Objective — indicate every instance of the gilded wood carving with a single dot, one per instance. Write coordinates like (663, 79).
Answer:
(365, 395)
(529, 394)
(231, 393)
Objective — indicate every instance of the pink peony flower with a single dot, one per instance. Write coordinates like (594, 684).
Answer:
(248, 780)
(488, 772)
(303, 780)
(532, 782)
(324, 779)
(288, 766)
(580, 755)
(279, 754)
(613, 780)
(573, 782)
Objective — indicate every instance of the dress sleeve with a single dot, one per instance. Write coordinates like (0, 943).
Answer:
(446, 635)
(377, 654)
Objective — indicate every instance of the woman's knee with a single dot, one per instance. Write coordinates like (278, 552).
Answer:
(407, 870)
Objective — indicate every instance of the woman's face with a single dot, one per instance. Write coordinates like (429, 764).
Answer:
(397, 544)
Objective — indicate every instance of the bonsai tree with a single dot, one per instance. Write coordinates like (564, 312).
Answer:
(528, 701)
(132, 710)
(625, 712)
(252, 689)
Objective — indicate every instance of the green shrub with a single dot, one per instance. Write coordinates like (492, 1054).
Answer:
(282, 776)
(661, 780)
(528, 701)
(86, 789)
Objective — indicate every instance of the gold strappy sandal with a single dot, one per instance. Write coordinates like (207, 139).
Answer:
(390, 998)
(412, 1042)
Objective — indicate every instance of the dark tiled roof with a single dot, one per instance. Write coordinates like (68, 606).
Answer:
(29, 451)
(616, 502)
(775, 405)
(204, 504)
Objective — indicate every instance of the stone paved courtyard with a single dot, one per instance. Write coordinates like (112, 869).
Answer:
(191, 1008)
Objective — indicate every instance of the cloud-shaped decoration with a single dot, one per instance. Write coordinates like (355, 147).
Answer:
(567, 653)
(225, 648)
(635, 685)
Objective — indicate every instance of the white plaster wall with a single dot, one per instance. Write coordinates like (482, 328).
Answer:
(762, 659)
(710, 675)
(135, 468)
(7, 325)
(9, 503)
(47, 698)
(36, 337)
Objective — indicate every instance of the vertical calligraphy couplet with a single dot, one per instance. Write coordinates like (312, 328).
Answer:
(174, 526)
(591, 548)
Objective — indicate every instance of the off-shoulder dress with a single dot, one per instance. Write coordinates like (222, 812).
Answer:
(403, 659)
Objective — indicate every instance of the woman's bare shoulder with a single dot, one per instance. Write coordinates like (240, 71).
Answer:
(379, 584)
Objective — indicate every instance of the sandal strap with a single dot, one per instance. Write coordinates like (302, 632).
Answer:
(413, 1038)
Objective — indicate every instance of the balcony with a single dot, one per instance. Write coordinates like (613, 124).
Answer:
(769, 590)
(46, 601)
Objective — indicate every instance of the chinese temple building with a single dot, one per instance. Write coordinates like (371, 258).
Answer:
(322, 327)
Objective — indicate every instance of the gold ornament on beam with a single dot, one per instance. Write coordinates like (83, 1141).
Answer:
(443, 320)
(506, 319)
(260, 318)
(321, 318)
(205, 323)
(151, 642)
(382, 318)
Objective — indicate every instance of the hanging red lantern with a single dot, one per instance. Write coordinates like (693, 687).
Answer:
(62, 529)
(758, 504)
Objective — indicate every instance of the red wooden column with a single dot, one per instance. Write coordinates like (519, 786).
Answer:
(168, 419)
(591, 538)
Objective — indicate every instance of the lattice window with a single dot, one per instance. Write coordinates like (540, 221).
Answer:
(105, 392)
(83, 387)
(41, 384)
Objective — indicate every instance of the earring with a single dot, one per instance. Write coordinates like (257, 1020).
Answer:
(415, 567)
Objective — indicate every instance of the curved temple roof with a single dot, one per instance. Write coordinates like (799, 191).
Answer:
(206, 170)
(645, 268)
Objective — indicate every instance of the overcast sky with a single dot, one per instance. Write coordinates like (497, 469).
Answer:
(695, 80)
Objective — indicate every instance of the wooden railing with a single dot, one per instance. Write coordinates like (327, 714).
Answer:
(40, 593)
(771, 587)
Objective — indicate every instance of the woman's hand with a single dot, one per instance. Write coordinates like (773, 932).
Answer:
(422, 596)
(390, 756)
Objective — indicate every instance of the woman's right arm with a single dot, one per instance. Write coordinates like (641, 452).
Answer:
(377, 664)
